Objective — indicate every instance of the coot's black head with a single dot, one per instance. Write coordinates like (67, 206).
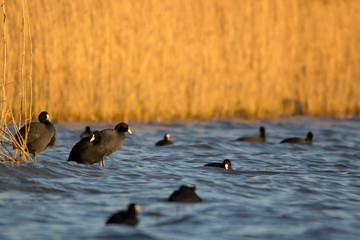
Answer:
(95, 137)
(87, 129)
(262, 132)
(44, 117)
(309, 136)
(123, 127)
(167, 137)
(134, 208)
(227, 164)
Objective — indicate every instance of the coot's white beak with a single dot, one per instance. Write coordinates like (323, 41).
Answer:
(226, 166)
(129, 130)
(48, 117)
(92, 138)
(138, 209)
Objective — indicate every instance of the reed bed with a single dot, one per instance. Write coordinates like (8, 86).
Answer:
(15, 107)
(161, 60)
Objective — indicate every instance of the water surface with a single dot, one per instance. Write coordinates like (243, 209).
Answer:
(275, 191)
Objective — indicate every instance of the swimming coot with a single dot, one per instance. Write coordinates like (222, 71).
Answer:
(165, 141)
(88, 150)
(87, 132)
(225, 164)
(40, 134)
(126, 217)
(185, 194)
(307, 140)
(114, 138)
(260, 138)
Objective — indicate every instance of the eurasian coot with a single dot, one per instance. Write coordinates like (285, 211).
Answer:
(165, 141)
(40, 134)
(126, 217)
(295, 140)
(260, 138)
(185, 194)
(225, 164)
(88, 150)
(87, 132)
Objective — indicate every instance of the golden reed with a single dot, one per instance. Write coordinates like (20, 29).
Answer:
(160, 60)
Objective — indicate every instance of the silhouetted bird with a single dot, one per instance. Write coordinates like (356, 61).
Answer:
(307, 140)
(40, 134)
(126, 217)
(87, 132)
(88, 150)
(114, 138)
(185, 194)
(260, 138)
(165, 141)
(225, 164)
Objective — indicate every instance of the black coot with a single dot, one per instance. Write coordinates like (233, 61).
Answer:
(260, 138)
(185, 194)
(87, 132)
(225, 164)
(88, 150)
(165, 141)
(295, 140)
(114, 138)
(126, 217)
(39, 136)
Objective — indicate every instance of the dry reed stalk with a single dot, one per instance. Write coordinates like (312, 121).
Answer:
(175, 59)
(8, 138)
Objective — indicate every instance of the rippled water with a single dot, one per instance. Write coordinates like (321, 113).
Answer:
(275, 191)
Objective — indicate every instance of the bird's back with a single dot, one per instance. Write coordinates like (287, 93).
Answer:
(113, 140)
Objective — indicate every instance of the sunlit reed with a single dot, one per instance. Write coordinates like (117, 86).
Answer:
(183, 59)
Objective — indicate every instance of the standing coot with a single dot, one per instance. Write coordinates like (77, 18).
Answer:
(114, 138)
(295, 140)
(260, 138)
(185, 194)
(225, 164)
(40, 134)
(165, 141)
(126, 217)
(87, 132)
(89, 150)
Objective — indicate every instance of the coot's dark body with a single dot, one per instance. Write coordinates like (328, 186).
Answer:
(225, 164)
(88, 150)
(114, 138)
(260, 138)
(165, 141)
(39, 136)
(185, 194)
(295, 140)
(86, 133)
(126, 217)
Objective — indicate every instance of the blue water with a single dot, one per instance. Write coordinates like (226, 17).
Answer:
(275, 191)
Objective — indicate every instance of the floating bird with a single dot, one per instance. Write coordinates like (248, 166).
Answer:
(88, 150)
(165, 141)
(225, 164)
(114, 138)
(260, 138)
(126, 217)
(295, 140)
(87, 132)
(39, 136)
(185, 194)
